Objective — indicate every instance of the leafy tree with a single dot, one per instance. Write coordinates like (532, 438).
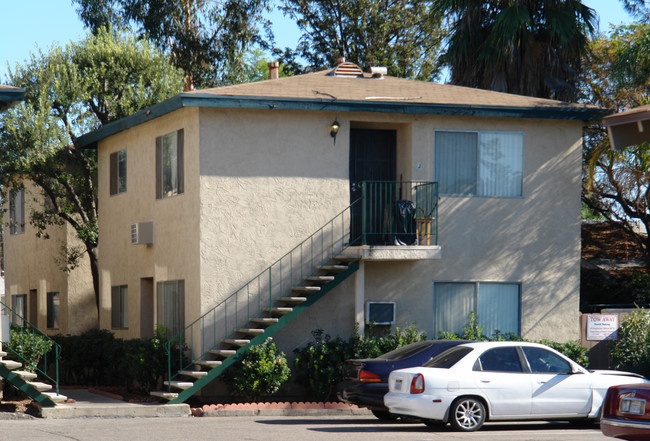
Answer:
(527, 47)
(402, 35)
(616, 182)
(637, 8)
(206, 39)
(68, 93)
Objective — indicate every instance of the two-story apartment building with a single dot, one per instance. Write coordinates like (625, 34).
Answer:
(222, 182)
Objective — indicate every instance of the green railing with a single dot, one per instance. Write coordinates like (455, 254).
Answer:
(398, 213)
(27, 343)
(251, 300)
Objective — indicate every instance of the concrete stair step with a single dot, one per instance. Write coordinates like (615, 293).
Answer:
(320, 279)
(179, 384)
(293, 299)
(57, 398)
(3, 354)
(251, 331)
(333, 268)
(347, 258)
(279, 310)
(210, 364)
(306, 289)
(41, 387)
(225, 353)
(195, 374)
(265, 321)
(237, 342)
(11, 365)
(164, 395)
(25, 375)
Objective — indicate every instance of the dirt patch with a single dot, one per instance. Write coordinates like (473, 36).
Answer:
(20, 405)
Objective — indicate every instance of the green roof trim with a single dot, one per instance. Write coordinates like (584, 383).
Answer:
(10, 96)
(90, 140)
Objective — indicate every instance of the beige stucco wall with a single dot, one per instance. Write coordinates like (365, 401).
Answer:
(32, 265)
(534, 240)
(175, 253)
(267, 186)
(258, 182)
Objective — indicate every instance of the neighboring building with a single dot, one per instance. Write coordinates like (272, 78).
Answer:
(37, 287)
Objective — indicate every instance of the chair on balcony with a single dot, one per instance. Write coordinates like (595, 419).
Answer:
(425, 209)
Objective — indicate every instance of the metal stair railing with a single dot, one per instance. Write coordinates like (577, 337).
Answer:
(29, 334)
(250, 301)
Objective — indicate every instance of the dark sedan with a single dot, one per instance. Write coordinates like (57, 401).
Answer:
(626, 412)
(366, 381)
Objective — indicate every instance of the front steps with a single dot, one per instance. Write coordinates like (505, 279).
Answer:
(23, 381)
(259, 329)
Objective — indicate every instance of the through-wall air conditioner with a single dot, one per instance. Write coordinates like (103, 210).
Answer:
(380, 313)
(142, 233)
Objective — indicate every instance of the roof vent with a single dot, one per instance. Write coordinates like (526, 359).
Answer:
(347, 69)
(378, 72)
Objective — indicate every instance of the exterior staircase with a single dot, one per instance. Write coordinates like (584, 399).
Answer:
(45, 394)
(224, 334)
(259, 309)
(25, 382)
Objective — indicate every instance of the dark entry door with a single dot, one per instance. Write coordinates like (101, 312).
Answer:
(372, 158)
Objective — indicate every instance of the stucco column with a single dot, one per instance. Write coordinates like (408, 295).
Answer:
(359, 296)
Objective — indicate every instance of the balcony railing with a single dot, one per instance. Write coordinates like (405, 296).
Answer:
(397, 213)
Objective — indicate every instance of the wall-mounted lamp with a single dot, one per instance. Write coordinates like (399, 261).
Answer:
(334, 129)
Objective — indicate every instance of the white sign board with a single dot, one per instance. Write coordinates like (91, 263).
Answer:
(602, 327)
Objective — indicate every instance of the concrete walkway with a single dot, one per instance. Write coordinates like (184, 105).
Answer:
(88, 404)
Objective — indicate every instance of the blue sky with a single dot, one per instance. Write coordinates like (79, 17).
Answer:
(32, 24)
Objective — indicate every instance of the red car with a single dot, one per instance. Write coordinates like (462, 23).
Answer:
(626, 412)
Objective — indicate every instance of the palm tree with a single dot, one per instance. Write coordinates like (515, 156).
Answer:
(527, 47)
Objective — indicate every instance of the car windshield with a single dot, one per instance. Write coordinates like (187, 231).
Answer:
(406, 351)
(448, 358)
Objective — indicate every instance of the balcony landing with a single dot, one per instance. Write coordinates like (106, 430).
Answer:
(395, 252)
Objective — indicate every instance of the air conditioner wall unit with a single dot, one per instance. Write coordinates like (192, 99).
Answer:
(142, 233)
(380, 313)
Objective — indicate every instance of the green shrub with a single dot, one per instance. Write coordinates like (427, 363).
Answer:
(97, 358)
(28, 346)
(571, 349)
(319, 365)
(260, 373)
(632, 350)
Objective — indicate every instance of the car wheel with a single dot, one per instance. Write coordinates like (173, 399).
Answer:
(384, 415)
(467, 414)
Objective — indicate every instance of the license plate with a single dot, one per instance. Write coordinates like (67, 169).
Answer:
(398, 384)
(634, 406)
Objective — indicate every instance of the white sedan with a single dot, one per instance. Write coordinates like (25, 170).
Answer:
(474, 382)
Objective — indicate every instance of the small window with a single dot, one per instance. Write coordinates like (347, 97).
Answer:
(118, 172)
(169, 164)
(542, 361)
(120, 307)
(19, 305)
(53, 318)
(17, 211)
(500, 360)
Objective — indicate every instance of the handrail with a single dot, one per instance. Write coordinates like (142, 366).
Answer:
(27, 327)
(262, 291)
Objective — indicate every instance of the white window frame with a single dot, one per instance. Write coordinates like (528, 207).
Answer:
(481, 147)
(476, 307)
